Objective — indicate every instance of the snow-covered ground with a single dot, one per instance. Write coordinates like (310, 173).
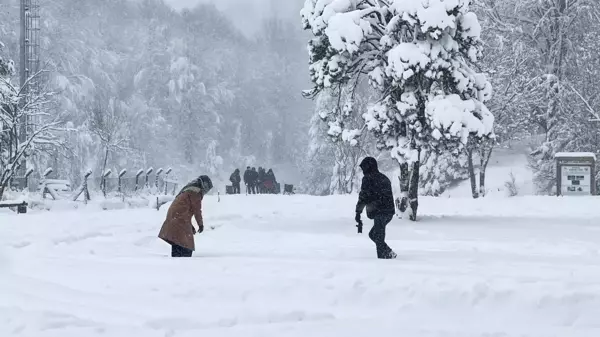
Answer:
(294, 266)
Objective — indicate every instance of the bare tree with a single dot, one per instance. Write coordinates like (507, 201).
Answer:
(28, 125)
(483, 149)
(350, 101)
(107, 120)
(553, 45)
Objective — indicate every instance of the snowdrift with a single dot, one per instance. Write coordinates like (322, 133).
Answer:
(111, 202)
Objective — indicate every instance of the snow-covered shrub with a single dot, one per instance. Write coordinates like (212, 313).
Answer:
(544, 174)
(438, 172)
(512, 190)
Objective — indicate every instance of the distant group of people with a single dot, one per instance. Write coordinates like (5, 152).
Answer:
(257, 181)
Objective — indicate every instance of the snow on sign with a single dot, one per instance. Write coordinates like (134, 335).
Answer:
(575, 173)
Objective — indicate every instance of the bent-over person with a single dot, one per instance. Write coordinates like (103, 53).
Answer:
(177, 230)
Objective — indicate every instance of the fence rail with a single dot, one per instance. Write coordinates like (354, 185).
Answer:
(129, 184)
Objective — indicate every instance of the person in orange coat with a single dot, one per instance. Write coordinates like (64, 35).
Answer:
(177, 230)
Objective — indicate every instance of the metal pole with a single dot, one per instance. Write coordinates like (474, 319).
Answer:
(29, 65)
(167, 172)
(22, 43)
(158, 173)
(23, 75)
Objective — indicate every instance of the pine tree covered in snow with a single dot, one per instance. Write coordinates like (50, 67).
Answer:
(438, 172)
(418, 55)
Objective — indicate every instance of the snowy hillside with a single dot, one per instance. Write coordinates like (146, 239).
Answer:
(295, 266)
(240, 10)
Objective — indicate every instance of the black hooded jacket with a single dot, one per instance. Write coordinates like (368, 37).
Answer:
(375, 192)
(248, 176)
(235, 177)
(261, 175)
(253, 176)
(270, 176)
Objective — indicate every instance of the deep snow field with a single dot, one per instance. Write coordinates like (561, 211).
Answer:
(294, 266)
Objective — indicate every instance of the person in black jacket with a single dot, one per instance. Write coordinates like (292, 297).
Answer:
(260, 181)
(377, 197)
(253, 180)
(247, 179)
(235, 181)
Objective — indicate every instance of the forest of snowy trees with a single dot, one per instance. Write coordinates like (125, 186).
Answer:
(136, 84)
(541, 58)
(142, 85)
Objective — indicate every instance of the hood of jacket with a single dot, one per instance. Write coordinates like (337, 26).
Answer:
(369, 165)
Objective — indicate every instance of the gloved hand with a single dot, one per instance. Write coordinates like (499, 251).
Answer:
(200, 229)
(359, 224)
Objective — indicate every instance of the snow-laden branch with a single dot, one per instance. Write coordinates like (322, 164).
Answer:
(591, 110)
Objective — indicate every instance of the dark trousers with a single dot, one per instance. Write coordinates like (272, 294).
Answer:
(178, 251)
(377, 234)
(236, 188)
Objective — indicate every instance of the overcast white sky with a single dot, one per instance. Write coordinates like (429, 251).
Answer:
(247, 14)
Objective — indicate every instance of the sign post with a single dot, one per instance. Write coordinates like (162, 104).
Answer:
(575, 173)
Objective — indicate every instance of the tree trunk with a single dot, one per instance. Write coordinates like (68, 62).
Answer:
(472, 174)
(485, 153)
(4, 181)
(103, 181)
(413, 191)
(350, 186)
(482, 182)
(402, 202)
